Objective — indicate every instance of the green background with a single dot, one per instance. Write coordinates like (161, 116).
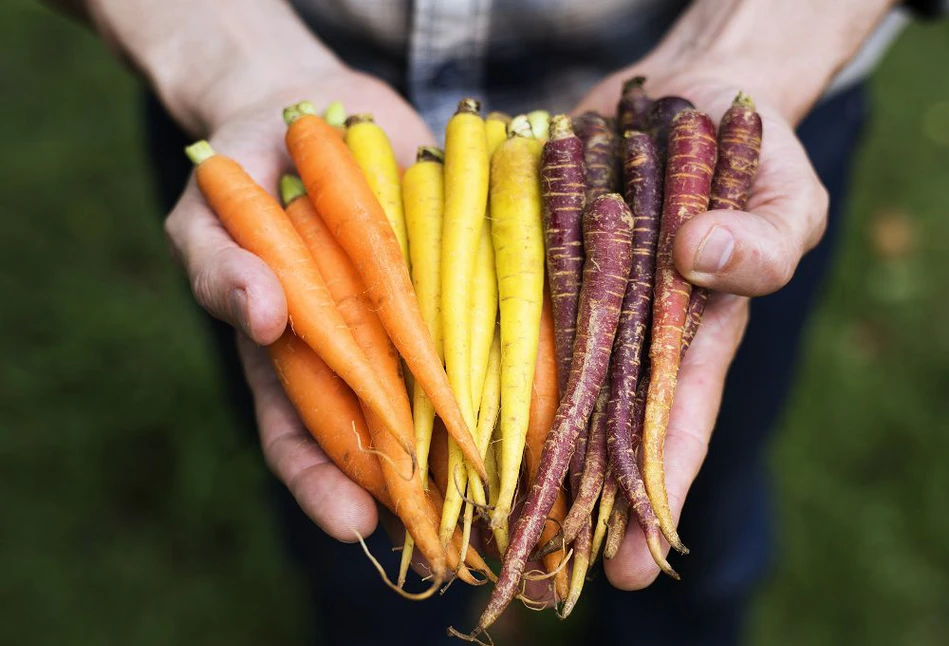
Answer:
(132, 513)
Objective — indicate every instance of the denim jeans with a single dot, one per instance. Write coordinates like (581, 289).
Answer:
(729, 513)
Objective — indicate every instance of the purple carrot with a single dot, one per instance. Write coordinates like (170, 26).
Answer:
(564, 197)
(739, 147)
(586, 486)
(599, 154)
(600, 177)
(664, 110)
(632, 111)
(607, 241)
(692, 151)
(643, 194)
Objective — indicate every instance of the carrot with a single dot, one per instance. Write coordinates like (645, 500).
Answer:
(616, 531)
(466, 189)
(424, 202)
(483, 313)
(372, 151)
(342, 197)
(604, 514)
(643, 181)
(349, 293)
(739, 146)
(634, 486)
(661, 115)
(335, 115)
(518, 237)
(330, 411)
(564, 197)
(599, 154)
(632, 112)
(488, 411)
(539, 121)
(257, 223)
(687, 187)
(495, 127)
(589, 483)
(545, 398)
(607, 239)
(581, 565)
(601, 175)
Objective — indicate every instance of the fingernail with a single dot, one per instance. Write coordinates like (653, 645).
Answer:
(239, 309)
(714, 252)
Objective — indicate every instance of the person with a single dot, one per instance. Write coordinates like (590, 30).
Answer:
(225, 71)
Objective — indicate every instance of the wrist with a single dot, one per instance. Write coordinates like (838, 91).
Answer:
(782, 53)
(207, 59)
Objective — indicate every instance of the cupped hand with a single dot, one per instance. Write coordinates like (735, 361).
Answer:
(237, 287)
(736, 254)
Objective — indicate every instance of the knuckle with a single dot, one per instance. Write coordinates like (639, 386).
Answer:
(777, 270)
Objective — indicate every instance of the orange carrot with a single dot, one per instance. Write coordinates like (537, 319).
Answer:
(349, 294)
(346, 287)
(257, 223)
(342, 197)
(330, 411)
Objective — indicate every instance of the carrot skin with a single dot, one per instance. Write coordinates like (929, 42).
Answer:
(564, 198)
(607, 230)
(341, 195)
(590, 482)
(692, 151)
(616, 530)
(632, 111)
(739, 148)
(333, 418)
(661, 115)
(600, 176)
(642, 180)
(599, 154)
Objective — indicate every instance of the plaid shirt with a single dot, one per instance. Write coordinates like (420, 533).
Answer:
(515, 55)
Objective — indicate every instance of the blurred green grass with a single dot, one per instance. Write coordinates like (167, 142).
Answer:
(134, 514)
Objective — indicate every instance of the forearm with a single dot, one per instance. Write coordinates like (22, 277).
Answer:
(202, 57)
(788, 50)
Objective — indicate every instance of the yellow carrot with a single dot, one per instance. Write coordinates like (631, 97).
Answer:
(518, 237)
(371, 148)
(495, 126)
(423, 199)
(466, 196)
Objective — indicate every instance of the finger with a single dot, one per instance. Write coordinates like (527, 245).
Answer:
(755, 252)
(230, 283)
(331, 500)
(698, 396)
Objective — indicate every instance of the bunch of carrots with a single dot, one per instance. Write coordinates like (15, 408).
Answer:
(502, 317)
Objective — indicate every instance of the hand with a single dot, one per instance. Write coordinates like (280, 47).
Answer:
(237, 287)
(736, 254)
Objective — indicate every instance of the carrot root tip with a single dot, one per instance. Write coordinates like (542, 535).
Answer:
(412, 596)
